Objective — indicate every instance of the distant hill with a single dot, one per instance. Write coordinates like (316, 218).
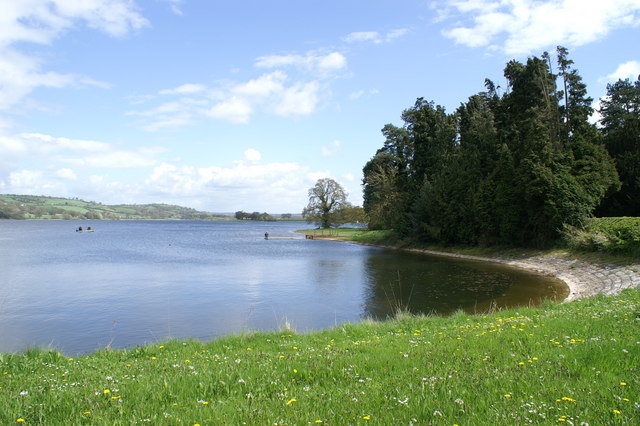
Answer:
(40, 207)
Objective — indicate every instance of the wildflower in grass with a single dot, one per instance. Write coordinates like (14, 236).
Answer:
(623, 384)
(106, 391)
(291, 401)
(203, 402)
(86, 412)
(23, 393)
(507, 395)
(153, 357)
(20, 420)
(366, 417)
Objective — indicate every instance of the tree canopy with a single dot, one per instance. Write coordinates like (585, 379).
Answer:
(510, 168)
(327, 199)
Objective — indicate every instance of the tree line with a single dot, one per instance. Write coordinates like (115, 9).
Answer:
(510, 166)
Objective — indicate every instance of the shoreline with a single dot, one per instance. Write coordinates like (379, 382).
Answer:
(584, 278)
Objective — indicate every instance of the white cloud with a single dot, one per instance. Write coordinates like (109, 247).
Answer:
(66, 173)
(240, 186)
(79, 152)
(331, 150)
(362, 36)
(175, 6)
(185, 89)
(374, 36)
(523, 26)
(26, 179)
(235, 109)
(322, 64)
(263, 86)
(630, 70)
(360, 93)
(300, 99)
(38, 21)
(274, 92)
(252, 155)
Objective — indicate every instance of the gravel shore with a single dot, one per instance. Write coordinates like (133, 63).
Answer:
(584, 278)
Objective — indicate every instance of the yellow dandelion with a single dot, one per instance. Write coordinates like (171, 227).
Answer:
(291, 401)
(295, 371)
(20, 420)
(106, 391)
(616, 411)
(153, 357)
(86, 412)
(366, 417)
(623, 384)
(507, 395)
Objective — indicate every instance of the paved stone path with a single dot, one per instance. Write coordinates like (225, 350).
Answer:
(583, 278)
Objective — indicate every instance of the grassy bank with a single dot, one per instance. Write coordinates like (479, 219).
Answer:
(618, 242)
(575, 362)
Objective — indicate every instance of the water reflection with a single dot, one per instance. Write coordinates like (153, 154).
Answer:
(430, 284)
(134, 282)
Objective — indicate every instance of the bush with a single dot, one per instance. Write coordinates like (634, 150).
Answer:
(619, 235)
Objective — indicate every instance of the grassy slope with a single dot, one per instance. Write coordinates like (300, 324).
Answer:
(575, 362)
(39, 207)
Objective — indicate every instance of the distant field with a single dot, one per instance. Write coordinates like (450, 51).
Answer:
(40, 207)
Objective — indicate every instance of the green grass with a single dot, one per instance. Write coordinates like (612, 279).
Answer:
(575, 362)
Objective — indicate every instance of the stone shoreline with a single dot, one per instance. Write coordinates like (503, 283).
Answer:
(583, 278)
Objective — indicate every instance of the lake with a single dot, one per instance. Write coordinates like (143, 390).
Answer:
(136, 282)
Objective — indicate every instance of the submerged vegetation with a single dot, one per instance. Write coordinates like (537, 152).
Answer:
(576, 363)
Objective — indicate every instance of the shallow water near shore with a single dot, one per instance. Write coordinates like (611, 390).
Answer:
(135, 282)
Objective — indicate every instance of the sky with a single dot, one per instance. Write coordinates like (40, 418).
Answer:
(224, 105)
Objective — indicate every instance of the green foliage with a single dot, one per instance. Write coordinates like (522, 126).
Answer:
(621, 128)
(327, 200)
(511, 169)
(572, 363)
(617, 235)
(40, 207)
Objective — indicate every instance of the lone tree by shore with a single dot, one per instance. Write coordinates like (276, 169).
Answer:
(326, 200)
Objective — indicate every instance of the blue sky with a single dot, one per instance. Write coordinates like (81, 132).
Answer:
(243, 105)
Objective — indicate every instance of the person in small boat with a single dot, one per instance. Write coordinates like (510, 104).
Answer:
(89, 229)
(79, 229)
(266, 235)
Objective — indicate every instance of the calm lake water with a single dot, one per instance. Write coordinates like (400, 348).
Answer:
(136, 282)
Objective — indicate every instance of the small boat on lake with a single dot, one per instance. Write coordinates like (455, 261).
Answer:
(89, 229)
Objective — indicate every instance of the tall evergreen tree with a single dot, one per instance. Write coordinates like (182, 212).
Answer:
(620, 122)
